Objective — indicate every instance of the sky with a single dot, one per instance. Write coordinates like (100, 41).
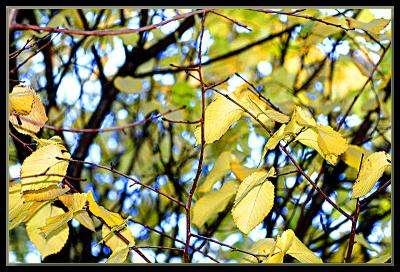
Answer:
(69, 92)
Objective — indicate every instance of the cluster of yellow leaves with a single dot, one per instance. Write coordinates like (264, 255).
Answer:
(24, 101)
(30, 200)
(287, 243)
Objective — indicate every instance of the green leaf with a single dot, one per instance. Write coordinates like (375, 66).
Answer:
(371, 170)
(221, 167)
(182, 94)
(254, 200)
(212, 203)
(128, 84)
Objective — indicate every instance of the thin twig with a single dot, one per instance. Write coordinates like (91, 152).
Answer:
(113, 170)
(25, 145)
(362, 88)
(97, 130)
(202, 145)
(103, 32)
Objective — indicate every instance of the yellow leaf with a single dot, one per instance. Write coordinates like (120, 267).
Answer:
(221, 167)
(44, 161)
(119, 255)
(113, 241)
(74, 202)
(274, 140)
(330, 141)
(110, 218)
(84, 218)
(370, 172)
(254, 200)
(352, 156)
(212, 203)
(55, 222)
(36, 114)
(128, 84)
(277, 116)
(295, 248)
(304, 117)
(276, 258)
(21, 100)
(45, 194)
(309, 137)
(219, 116)
(381, 259)
(55, 242)
(19, 210)
(240, 171)
(53, 140)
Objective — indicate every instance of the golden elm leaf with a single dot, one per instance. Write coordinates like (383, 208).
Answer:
(53, 243)
(370, 172)
(84, 218)
(292, 246)
(276, 258)
(254, 200)
(304, 117)
(262, 246)
(220, 114)
(21, 99)
(119, 255)
(277, 116)
(112, 219)
(36, 114)
(240, 171)
(128, 84)
(381, 259)
(274, 140)
(19, 210)
(74, 202)
(353, 154)
(219, 170)
(44, 161)
(212, 203)
(48, 193)
(330, 141)
(113, 241)
(55, 222)
(53, 140)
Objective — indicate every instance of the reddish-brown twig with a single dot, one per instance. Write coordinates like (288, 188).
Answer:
(102, 32)
(97, 130)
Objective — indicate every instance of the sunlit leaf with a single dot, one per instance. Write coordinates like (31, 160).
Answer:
(36, 114)
(48, 193)
(352, 156)
(112, 219)
(44, 161)
(274, 140)
(221, 167)
(254, 200)
(219, 116)
(55, 222)
(21, 100)
(371, 170)
(119, 255)
(53, 243)
(240, 171)
(212, 203)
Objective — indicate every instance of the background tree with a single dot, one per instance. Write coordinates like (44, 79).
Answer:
(168, 115)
